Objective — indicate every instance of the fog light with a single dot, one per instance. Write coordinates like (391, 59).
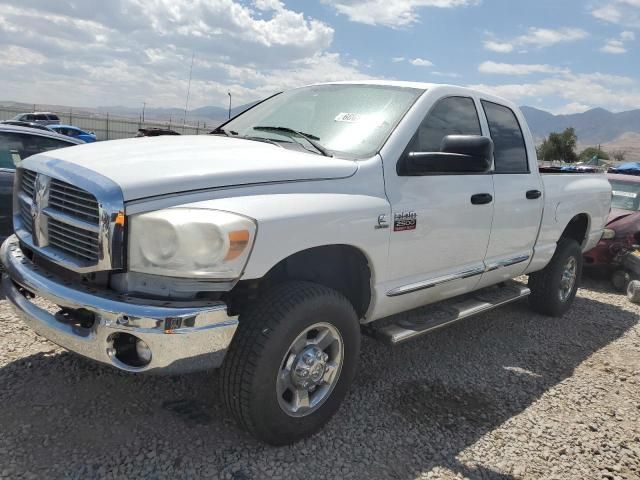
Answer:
(143, 351)
(128, 350)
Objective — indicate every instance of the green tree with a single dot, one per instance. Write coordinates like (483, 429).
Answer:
(559, 146)
(590, 152)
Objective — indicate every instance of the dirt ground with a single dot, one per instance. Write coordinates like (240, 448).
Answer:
(509, 394)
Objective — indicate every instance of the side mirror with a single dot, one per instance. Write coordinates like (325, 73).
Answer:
(458, 154)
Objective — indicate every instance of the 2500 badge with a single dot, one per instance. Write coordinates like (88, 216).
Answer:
(404, 221)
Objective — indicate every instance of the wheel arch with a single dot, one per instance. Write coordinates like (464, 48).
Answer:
(578, 229)
(342, 267)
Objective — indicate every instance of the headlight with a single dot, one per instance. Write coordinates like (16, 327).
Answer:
(190, 242)
(608, 234)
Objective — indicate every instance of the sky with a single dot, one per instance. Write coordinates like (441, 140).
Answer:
(564, 56)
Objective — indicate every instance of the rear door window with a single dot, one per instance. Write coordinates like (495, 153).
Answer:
(510, 151)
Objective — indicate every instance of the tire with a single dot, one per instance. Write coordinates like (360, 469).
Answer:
(633, 291)
(550, 295)
(264, 347)
(620, 280)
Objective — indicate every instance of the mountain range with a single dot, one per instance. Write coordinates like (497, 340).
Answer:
(613, 131)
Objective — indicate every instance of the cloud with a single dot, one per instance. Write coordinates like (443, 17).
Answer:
(537, 38)
(128, 51)
(620, 12)
(398, 59)
(617, 46)
(498, 46)
(518, 68)
(627, 36)
(394, 13)
(420, 62)
(611, 91)
(571, 108)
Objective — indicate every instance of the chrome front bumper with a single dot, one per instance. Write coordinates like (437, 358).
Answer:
(180, 339)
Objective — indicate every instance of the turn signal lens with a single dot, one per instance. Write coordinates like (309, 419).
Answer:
(238, 241)
(608, 234)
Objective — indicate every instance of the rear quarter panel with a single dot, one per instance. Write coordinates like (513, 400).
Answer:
(565, 196)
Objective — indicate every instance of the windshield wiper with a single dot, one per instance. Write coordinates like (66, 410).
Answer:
(223, 131)
(312, 139)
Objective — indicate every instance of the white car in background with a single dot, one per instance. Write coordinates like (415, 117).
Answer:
(43, 118)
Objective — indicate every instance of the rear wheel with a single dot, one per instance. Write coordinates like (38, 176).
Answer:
(291, 362)
(554, 288)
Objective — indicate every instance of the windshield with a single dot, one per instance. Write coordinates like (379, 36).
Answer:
(626, 195)
(346, 120)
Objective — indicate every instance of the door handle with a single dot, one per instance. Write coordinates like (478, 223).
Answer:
(481, 198)
(533, 194)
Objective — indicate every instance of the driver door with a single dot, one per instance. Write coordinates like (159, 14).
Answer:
(439, 233)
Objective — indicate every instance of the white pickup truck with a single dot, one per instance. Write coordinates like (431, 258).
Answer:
(267, 247)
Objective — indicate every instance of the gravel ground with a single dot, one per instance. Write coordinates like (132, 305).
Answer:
(506, 395)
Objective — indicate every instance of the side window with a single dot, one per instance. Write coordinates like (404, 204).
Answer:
(53, 118)
(28, 118)
(40, 116)
(510, 151)
(34, 144)
(10, 144)
(450, 116)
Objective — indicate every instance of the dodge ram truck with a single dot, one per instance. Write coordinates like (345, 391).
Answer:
(269, 246)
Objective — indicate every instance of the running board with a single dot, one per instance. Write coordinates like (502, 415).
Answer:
(427, 319)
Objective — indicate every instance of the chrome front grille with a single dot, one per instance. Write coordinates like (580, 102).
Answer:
(28, 182)
(25, 214)
(71, 225)
(73, 201)
(73, 240)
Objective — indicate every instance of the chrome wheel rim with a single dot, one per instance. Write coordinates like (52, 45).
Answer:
(310, 369)
(568, 279)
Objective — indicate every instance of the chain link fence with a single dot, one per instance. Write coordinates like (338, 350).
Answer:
(108, 127)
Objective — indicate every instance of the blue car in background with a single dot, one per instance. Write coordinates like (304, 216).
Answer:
(74, 132)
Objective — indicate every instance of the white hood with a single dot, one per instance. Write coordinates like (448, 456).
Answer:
(150, 166)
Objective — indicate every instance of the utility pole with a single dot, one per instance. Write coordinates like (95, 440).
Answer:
(186, 105)
(144, 106)
(229, 93)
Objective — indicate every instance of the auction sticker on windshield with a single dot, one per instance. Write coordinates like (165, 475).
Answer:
(374, 119)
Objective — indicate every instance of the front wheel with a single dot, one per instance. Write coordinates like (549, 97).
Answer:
(554, 287)
(291, 362)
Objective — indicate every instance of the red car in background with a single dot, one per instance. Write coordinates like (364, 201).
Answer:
(623, 222)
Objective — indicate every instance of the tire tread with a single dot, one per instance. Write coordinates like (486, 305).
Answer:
(256, 326)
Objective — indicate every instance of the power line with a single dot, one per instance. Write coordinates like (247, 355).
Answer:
(186, 105)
